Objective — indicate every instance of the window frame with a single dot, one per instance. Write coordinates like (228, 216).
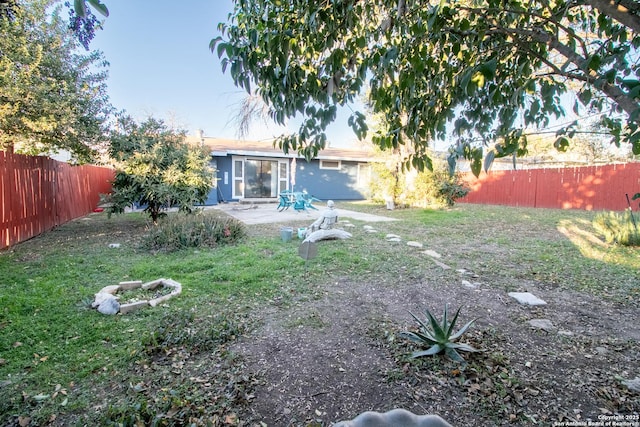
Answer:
(337, 168)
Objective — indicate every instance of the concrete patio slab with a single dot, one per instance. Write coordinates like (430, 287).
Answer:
(268, 213)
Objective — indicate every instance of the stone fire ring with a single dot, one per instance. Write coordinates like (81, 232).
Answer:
(106, 300)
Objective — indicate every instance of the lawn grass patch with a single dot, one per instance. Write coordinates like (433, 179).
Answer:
(620, 228)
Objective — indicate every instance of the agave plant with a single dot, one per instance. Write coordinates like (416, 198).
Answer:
(439, 336)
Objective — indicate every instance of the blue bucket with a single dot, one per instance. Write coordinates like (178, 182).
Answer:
(286, 233)
(302, 232)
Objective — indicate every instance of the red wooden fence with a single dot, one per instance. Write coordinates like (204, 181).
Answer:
(38, 193)
(585, 187)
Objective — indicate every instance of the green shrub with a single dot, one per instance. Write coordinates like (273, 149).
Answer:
(438, 188)
(201, 229)
(618, 228)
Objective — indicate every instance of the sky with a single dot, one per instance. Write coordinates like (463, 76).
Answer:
(161, 65)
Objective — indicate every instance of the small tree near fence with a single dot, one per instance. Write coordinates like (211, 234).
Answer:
(156, 169)
(430, 188)
(437, 188)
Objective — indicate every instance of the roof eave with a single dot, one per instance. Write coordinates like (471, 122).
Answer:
(284, 156)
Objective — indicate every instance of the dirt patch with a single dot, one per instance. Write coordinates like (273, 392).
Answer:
(333, 357)
(85, 232)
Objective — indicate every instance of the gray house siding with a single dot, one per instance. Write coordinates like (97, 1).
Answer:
(212, 198)
(224, 180)
(325, 184)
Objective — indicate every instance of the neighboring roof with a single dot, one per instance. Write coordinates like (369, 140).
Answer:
(225, 147)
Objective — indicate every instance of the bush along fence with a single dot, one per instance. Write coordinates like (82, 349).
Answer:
(586, 187)
(38, 194)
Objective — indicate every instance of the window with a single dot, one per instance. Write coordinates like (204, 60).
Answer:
(330, 164)
(283, 177)
(238, 179)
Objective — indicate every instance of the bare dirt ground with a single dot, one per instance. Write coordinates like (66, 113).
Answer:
(331, 358)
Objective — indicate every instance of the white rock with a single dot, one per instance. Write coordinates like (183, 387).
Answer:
(109, 306)
(114, 245)
(527, 298)
(367, 227)
(371, 230)
(391, 236)
(394, 239)
(414, 244)
(127, 308)
(442, 265)
(432, 253)
(132, 284)
(100, 297)
(633, 384)
(468, 284)
(544, 324)
(156, 301)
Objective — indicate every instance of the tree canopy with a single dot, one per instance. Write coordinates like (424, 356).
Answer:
(156, 169)
(485, 71)
(83, 22)
(51, 97)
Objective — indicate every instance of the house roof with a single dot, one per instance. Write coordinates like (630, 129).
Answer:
(225, 147)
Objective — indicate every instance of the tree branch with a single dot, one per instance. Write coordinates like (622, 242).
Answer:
(624, 11)
(628, 104)
(490, 16)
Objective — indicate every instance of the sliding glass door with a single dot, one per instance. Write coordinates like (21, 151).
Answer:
(261, 178)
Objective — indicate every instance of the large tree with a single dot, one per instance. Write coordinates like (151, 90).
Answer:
(51, 97)
(156, 169)
(487, 70)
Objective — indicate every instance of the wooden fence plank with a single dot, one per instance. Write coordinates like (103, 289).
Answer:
(586, 188)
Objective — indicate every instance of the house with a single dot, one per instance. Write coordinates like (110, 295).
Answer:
(258, 171)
